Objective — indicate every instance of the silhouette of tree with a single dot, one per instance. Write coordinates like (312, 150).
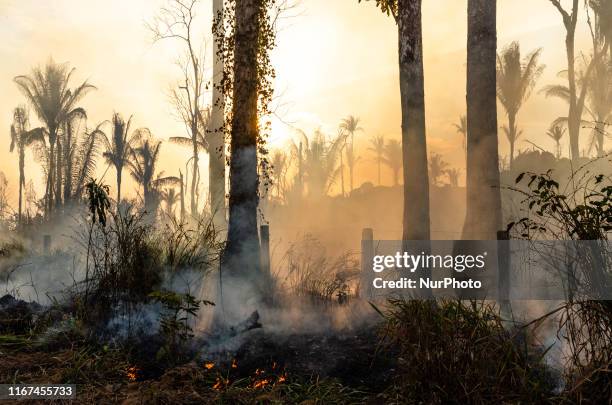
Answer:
(378, 148)
(350, 124)
(320, 162)
(169, 197)
(437, 168)
(279, 169)
(556, 132)
(143, 167)
(21, 138)
(461, 128)
(516, 77)
(118, 148)
(454, 175)
(574, 98)
(392, 157)
(177, 20)
(599, 102)
(48, 90)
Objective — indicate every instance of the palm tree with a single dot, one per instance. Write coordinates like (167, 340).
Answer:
(320, 163)
(279, 170)
(556, 132)
(454, 175)
(47, 90)
(117, 149)
(378, 147)
(169, 197)
(143, 161)
(81, 151)
(392, 157)
(350, 124)
(483, 213)
(21, 138)
(599, 100)
(603, 22)
(461, 128)
(437, 167)
(516, 77)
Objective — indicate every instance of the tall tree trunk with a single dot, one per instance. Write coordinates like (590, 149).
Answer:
(414, 147)
(194, 174)
(58, 179)
(216, 134)
(21, 179)
(513, 133)
(119, 173)
(342, 173)
(50, 172)
(240, 261)
(483, 217)
(182, 196)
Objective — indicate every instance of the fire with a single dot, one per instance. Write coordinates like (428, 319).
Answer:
(220, 384)
(281, 379)
(234, 363)
(132, 373)
(261, 383)
(209, 365)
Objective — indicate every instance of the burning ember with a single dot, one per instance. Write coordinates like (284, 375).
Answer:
(132, 373)
(209, 365)
(261, 383)
(220, 383)
(234, 363)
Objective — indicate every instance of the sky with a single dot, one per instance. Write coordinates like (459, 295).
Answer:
(333, 58)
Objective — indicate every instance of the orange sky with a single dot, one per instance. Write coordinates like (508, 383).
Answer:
(335, 58)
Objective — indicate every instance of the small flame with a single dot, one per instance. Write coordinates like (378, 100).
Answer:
(259, 372)
(132, 373)
(220, 384)
(209, 365)
(261, 383)
(234, 363)
(282, 378)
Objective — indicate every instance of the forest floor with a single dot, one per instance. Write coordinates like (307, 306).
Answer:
(343, 367)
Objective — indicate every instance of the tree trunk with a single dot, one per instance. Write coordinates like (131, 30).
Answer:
(512, 138)
(119, 173)
(50, 173)
(58, 179)
(483, 217)
(240, 260)
(216, 134)
(574, 116)
(416, 177)
(194, 174)
(182, 197)
(21, 180)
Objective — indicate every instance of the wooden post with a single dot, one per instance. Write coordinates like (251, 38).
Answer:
(367, 255)
(46, 244)
(264, 236)
(503, 275)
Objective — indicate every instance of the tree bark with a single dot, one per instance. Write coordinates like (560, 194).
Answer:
(416, 177)
(240, 261)
(513, 133)
(483, 217)
(216, 134)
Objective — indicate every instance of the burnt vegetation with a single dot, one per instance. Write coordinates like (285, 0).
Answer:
(177, 294)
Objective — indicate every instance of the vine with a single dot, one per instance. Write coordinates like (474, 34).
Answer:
(223, 29)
